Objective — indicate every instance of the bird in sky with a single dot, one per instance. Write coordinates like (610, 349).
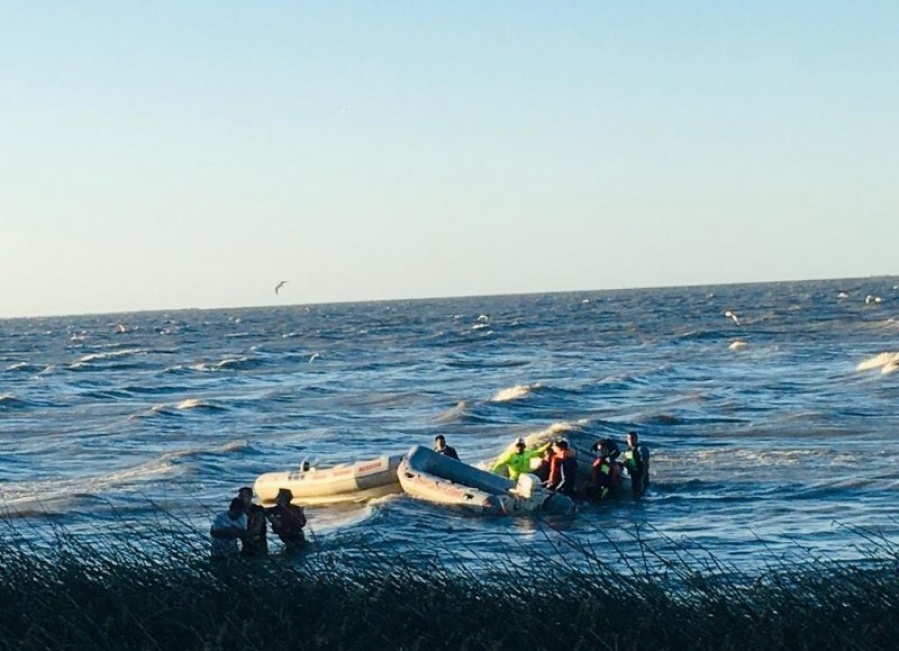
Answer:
(732, 316)
(279, 286)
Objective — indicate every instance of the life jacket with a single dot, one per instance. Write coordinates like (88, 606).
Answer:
(566, 480)
(609, 447)
(633, 459)
(606, 472)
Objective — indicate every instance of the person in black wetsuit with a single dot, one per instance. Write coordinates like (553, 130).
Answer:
(636, 460)
(440, 447)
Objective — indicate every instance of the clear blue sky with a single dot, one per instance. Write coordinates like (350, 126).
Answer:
(169, 155)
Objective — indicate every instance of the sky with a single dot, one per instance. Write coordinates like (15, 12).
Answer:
(168, 155)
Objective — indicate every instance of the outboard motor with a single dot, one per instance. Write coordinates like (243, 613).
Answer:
(527, 485)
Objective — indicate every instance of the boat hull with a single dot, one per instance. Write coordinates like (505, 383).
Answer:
(351, 482)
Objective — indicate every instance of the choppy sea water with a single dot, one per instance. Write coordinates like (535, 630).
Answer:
(770, 411)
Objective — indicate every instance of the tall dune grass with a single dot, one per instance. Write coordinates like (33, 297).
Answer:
(117, 595)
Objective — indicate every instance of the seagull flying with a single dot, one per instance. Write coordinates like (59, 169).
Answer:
(733, 316)
(280, 285)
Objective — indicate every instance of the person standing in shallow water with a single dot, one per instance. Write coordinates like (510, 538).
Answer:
(288, 521)
(440, 447)
(636, 460)
(227, 529)
(603, 472)
(562, 469)
(255, 543)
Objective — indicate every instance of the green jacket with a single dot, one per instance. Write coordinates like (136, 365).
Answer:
(516, 462)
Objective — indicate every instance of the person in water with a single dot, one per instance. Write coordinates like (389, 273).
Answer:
(636, 460)
(227, 528)
(440, 447)
(517, 460)
(543, 468)
(611, 448)
(255, 543)
(288, 521)
(604, 473)
(563, 469)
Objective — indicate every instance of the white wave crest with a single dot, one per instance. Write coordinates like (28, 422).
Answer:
(879, 361)
(9, 400)
(96, 357)
(517, 392)
(738, 345)
(56, 495)
(453, 414)
(224, 364)
(190, 403)
(571, 430)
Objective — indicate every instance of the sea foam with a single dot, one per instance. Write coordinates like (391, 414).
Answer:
(881, 361)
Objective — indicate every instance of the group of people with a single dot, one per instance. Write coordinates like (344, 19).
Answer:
(605, 474)
(243, 528)
(556, 465)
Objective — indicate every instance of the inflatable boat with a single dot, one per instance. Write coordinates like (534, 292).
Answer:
(436, 478)
(347, 482)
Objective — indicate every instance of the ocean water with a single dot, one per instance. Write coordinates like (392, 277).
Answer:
(770, 411)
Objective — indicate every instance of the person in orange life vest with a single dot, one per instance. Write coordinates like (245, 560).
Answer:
(563, 469)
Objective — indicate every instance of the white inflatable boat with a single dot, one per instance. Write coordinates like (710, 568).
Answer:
(347, 482)
(426, 475)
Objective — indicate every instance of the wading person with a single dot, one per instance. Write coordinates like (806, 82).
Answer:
(563, 469)
(227, 528)
(603, 474)
(440, 447)
(636, 460)
(255, 543)
(517, 460)
(543, 468)
(288, 521)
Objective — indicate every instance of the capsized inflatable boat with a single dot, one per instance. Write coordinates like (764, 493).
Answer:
(426, 475)
(346, 482)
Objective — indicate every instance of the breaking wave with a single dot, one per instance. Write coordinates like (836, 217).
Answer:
(517, 392)
(887, 362)
(8, 401)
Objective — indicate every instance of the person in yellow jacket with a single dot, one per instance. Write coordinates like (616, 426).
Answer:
(517, 460)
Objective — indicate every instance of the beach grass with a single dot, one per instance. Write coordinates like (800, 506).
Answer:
(65, 593)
